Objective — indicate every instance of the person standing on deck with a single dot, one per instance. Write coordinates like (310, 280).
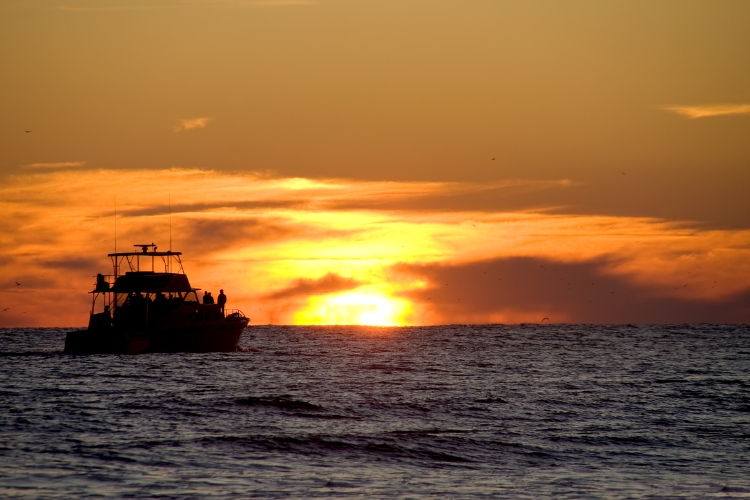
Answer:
(221, 300)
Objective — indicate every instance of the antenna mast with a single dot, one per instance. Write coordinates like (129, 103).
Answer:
(170, 222)
(115, 235)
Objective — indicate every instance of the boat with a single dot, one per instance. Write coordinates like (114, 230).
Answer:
(151, 307)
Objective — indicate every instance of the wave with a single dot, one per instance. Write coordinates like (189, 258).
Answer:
(286, 402)
(348, 446)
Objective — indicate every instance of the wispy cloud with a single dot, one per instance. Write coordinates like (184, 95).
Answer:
(713, 110)
(261, 3)
(251, 3)
(58, 164)
(222, 4)
(192, 123)
(126, 8)
(304, 287)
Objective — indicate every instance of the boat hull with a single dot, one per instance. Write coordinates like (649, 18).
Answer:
(215, 337)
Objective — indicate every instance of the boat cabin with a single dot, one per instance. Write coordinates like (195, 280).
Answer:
(148, 289)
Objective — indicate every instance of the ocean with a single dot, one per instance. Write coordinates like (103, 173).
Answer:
(462, 411)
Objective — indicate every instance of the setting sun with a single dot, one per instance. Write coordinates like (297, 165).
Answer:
(354, 308)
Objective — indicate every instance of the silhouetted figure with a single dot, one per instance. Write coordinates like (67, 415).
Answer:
(210, 298)
(138, 308)
(174, 301)
(205, 298)
(221, 300)
(101, 283)
(160, 303)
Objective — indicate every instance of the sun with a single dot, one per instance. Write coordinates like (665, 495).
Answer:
(354, 308)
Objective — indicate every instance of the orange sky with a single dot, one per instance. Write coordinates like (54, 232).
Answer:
(382, 162)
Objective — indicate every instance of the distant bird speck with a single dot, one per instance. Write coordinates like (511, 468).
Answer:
(18, 284)
(6, 309)
(623, 173)
(27, 131)
(493, 159)
(545, 319)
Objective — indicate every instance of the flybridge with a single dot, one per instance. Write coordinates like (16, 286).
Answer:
(147, 260)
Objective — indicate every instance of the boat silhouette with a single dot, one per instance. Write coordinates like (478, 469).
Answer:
(148, 310)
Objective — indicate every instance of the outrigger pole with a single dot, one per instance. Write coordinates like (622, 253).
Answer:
(115, 234)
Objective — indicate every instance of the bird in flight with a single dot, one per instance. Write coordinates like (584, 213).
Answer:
(493, 159)
(543, 319)
(6, 309)
(18, 284)
(27, 131)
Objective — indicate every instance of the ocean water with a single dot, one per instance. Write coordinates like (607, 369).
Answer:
(459, 411)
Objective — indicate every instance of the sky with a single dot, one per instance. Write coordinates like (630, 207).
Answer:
(410, 162)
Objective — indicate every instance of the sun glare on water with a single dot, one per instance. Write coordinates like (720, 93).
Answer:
(354, 308)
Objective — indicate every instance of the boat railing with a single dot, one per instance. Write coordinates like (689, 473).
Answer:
(234, 313)
(145, 260)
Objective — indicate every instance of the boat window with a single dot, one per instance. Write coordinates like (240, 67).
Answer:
(121, 298)
(191, 297)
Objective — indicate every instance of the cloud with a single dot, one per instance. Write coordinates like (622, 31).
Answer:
(133, 8)
(258, 236)
(524, 289)
(53, 165)
(192, 123)
(238, 4)
(207, 206)
(210, 234)
(262, 3)
(330, 283)
(187, 4)
(72, 263)
(487, 197)
(706, 111)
